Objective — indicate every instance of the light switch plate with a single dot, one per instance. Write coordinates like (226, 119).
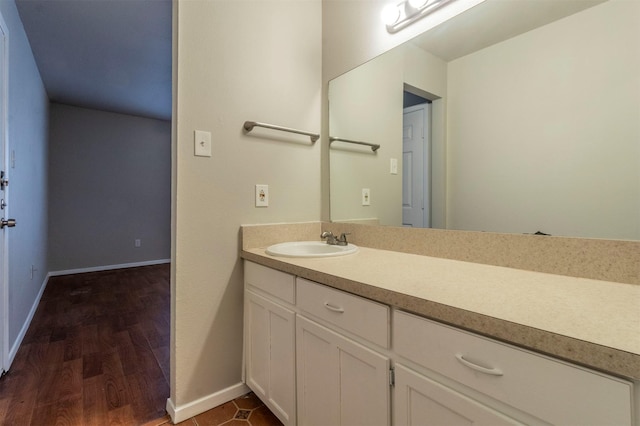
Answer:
(262, 195)
(202, 143)
(393, 166)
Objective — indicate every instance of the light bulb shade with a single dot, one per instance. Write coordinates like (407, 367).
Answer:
(407, 12)
(417, 4)
(390, 14)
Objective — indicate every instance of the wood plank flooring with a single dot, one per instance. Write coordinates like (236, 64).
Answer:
(96, 353)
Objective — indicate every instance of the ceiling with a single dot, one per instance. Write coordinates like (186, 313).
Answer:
(115, 55)
(110, 55)
(493, 21)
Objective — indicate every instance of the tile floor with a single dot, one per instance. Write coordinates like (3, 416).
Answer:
(246, 410)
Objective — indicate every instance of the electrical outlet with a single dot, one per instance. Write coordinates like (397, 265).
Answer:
(137, 242)
(202, 143)
(366, 197)
(262, 195)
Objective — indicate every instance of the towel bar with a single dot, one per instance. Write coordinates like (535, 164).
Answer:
(374, 147)
(249, 125)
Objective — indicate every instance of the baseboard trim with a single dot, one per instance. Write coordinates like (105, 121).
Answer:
(108, 267)
(23, 331)
(186, 411)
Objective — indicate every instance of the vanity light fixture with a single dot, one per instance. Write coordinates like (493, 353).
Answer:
(390, 14)
(417, 4)
(397, 16)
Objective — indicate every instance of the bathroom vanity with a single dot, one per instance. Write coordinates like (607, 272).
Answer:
(381, 337)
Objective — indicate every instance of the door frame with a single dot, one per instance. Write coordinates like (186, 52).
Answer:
(4, 145)
(426, 160)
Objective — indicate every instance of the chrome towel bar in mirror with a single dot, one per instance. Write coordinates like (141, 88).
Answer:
(374, 147)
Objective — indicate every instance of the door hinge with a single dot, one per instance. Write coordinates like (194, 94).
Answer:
(392, 377)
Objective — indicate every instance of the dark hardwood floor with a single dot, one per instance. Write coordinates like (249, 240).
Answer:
(96, 353)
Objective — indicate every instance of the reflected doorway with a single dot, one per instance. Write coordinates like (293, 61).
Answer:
(416, 161)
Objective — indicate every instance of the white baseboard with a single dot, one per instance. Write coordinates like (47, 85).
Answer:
(23, 331)
(186, 411)
(108, 267)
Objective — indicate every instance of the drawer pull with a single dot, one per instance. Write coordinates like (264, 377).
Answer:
(473, 366)
(333, 308)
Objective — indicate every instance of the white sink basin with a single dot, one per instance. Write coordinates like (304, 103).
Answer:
(310, 249)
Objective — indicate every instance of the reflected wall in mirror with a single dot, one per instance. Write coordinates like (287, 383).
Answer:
(536, 132)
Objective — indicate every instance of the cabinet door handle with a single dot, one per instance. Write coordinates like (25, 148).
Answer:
(333, 308)
(474, 366)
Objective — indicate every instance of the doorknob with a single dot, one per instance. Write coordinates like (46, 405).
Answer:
(9, 223)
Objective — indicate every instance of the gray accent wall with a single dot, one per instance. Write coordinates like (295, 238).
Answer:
(27, 197)
(109, 184)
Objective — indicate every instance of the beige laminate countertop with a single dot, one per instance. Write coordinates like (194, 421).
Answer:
(589, 322)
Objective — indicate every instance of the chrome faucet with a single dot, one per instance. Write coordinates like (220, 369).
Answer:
(332, 240)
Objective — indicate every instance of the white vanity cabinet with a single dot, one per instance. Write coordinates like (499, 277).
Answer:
(529, 387)
(269, 338)
(341, 381)
(316, 355)
(310, 351)
(420, 401)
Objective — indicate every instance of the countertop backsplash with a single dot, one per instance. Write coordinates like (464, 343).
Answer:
(607, 260)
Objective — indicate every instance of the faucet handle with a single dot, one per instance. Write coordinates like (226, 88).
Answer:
(342, 240)
(331, 239)
(326, 234)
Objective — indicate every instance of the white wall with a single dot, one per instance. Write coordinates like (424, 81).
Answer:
(234, 61)
(580, 124)
(27, 136)
(109, 184)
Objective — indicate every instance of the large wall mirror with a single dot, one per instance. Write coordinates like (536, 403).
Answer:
(515, 116)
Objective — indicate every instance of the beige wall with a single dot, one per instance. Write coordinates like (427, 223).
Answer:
(235, 61)
(429, 73)
(352, 34)
(600, 184)
(360, 100)
(550, 140)
(366, 105)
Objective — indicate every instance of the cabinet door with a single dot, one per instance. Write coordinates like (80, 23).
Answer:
(419, 400)
(340, 382)
(529, 382)
(270, 354)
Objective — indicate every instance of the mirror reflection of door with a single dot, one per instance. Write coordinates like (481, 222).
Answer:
(416, 171)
